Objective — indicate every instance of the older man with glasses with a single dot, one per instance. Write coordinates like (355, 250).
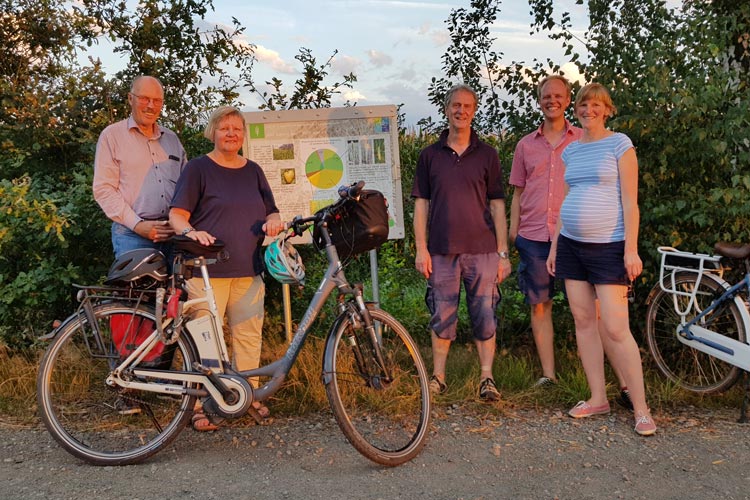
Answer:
(136, 169)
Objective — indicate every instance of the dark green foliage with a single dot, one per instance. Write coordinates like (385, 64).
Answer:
(52, 233)
(48, 241)
(680, 82)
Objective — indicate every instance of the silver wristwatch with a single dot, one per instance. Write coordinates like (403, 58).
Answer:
(503, 255)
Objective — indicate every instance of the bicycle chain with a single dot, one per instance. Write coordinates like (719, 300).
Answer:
(125, 394)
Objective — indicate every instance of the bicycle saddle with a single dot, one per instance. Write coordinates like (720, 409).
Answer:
(732, 250)
(186, 245)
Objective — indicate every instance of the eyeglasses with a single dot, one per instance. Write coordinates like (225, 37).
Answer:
(143, 101)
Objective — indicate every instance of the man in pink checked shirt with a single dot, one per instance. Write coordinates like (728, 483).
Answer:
(539, 189)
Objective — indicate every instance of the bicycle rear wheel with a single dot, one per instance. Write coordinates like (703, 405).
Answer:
(691, 369)
(383, 411)
(99, 424)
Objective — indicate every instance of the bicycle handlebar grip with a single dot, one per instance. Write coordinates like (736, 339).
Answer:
(351, 191)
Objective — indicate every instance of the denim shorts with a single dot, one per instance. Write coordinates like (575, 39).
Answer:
(534, 281)
(595, 263)
(478, 272)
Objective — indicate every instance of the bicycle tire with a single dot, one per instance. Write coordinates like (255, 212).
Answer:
(80, 410)
(386, 421)
(690, 368)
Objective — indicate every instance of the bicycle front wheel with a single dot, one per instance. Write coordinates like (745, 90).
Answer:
(382, 407)
(691, 369)
(99, 424)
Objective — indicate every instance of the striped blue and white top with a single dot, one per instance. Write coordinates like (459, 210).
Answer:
(592, 210)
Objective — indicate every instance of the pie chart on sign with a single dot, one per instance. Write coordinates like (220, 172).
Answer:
(324, 168)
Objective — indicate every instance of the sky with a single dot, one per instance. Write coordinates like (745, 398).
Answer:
(394, 47)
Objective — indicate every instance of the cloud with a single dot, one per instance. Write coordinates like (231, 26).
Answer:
(273, 59)
(440, 37)
(407, 74)
(354, 96)
(570, 70)
(344, 65)
(379, 59)
(416, 105)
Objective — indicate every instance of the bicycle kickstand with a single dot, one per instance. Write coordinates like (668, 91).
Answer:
(746, 396)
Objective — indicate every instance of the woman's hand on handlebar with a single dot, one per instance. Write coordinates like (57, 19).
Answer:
(274, 227)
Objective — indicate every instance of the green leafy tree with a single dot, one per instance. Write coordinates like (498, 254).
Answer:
(309, 92)
(679, 78)
(53, 110)
(200, 66)
(44, 92)
(471, 60)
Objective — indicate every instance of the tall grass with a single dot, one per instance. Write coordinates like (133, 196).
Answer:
(515, 371)
(17, 383)
(402, 294)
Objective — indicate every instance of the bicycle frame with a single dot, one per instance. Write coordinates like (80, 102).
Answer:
(214, 370)
(691, 333)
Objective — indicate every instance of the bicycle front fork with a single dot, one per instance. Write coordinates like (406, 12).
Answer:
(367, 350)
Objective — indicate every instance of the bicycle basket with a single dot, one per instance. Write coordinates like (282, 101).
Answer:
(358, 227)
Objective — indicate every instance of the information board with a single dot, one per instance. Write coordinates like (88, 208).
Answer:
(307, 154)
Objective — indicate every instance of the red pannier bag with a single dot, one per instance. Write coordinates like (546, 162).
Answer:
(129, 331)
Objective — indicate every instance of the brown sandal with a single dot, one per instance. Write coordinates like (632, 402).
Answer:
(259, 412)
(201, 423)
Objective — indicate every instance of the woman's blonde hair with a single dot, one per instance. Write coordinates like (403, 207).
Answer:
(216, 117)
(596, 91)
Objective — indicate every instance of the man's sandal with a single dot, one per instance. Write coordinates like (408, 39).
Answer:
(201, 423)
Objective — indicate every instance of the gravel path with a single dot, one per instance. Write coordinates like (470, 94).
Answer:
(524, 454)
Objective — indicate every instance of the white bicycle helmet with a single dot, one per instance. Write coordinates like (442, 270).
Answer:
(284, 263)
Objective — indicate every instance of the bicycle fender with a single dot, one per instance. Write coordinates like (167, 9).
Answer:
(329, 350)
(57, 326)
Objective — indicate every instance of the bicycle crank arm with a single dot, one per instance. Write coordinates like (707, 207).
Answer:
(719, 346)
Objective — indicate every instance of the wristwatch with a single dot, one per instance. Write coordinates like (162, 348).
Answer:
(503, 255)
(189, 229)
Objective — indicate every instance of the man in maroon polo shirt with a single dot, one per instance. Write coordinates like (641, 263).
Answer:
(460, 204)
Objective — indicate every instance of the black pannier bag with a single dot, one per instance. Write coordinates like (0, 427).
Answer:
(359, 226)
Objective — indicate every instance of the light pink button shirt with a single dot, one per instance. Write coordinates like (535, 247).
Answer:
(539, 169)
(135, 176)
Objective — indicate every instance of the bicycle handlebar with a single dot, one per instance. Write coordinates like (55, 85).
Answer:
(346, 193)
(353, 191)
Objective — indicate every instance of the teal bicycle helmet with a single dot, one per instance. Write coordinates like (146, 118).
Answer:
(284, 263)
